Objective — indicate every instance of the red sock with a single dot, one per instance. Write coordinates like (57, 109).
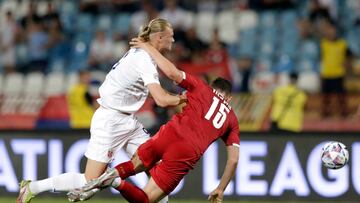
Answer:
(125, 169)
(132, 193)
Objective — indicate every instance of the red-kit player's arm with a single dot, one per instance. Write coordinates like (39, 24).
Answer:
(168, 68)
(232, 141)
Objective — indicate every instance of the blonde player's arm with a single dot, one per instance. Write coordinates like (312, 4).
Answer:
(162, 98)
(163, 63)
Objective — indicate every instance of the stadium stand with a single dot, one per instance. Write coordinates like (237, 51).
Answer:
(272, 37)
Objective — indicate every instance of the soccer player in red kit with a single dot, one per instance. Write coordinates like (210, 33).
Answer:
(179, 143)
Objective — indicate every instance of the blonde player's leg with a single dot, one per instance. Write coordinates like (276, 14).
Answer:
(62, 182)
(94, 169)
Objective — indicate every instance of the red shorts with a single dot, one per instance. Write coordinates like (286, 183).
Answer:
(177, 158)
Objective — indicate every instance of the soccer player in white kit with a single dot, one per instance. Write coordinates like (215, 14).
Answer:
(114, 125)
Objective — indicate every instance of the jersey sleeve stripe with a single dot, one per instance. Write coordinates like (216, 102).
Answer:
(236, 145)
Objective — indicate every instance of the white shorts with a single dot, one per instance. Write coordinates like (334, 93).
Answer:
(110, 131)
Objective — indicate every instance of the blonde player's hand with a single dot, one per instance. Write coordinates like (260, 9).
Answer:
(216, 196)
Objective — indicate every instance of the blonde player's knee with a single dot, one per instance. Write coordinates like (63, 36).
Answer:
(94, 169)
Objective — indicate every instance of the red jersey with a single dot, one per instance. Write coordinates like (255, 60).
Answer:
(206, 117)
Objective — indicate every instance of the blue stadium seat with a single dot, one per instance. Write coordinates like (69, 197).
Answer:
(69, 7)
(21, 54)
(269, 34)
(80, 51)
(288, 19)
(121, 23)
(59, 56)
(307, 65)
(103, 22)
(288, 45)
(247, 43)
(309, 50)
(268, 19)
(85, 22)
(284, 64)
(268, 41)
(352, 38)
(263, 64)
(267, 49)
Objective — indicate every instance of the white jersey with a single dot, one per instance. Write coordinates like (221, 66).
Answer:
(124, 88)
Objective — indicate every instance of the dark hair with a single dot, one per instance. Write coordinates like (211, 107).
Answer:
(222, 84)
(294, 76)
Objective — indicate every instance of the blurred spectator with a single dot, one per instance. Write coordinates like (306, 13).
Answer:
(51, 15)
(38, 40)
(318, 11)
(270, 4)
(90, 6)
(207, 5)
(101, 52)
(288, 107)
(148, 11)
(193, 45)
(305, 29)
(80, 102)
(29, 17)
(124, 5)
(216, 52)
(55, 32)
(7, 43)
(245, 65)
(334, 59)
(176, 16)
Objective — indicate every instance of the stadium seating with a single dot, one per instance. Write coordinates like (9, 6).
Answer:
(205, 25)
(247, 43)
(85, 23)
(71, 79)
(271, 38)
(225, 24)
(32, 94)
(103, 22)
(246, 20)
(13, 86)
(121, 23)
(54, 84)
(309, 81)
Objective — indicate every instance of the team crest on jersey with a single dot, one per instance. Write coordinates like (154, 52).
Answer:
(110, 154)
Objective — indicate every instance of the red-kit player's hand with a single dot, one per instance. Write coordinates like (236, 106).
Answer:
(138, 43)
(216, 196)
(183, 99)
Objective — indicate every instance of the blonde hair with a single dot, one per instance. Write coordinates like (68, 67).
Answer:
(154, 26)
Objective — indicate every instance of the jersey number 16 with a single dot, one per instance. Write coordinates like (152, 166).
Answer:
(220, 116)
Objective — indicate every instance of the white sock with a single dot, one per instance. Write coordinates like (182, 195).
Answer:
(63, 182)
(164, 200)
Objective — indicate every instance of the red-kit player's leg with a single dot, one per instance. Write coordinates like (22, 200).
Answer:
(133, 194)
